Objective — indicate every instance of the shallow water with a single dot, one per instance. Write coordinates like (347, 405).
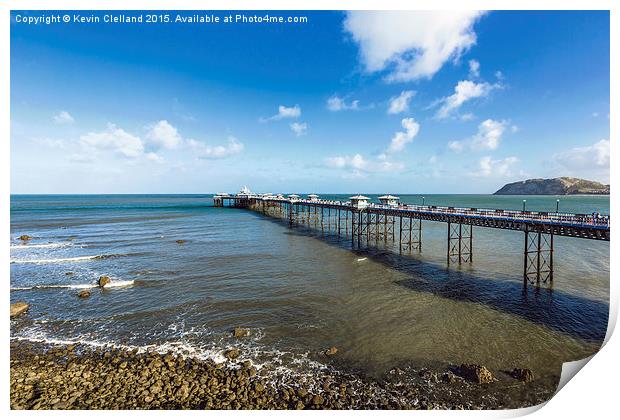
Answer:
(299, 292)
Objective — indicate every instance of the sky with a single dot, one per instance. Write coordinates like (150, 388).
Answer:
(373, 102)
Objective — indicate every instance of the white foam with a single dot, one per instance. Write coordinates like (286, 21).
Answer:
(362, 259)
(119, 283)
(57, 260)
(56, 286)
(50, 245)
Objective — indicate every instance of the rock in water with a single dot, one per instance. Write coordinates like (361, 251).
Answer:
(232, 354)
(241, 332)
(69, 273)
(476, 373)
(524, 375)
(103, 280)
(181, 241)
(331, 351)
(18, 308)
(84, 293)
(25, 237)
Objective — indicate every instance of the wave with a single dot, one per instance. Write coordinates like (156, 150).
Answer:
(68, 259)
(50, 245)
(112, 284)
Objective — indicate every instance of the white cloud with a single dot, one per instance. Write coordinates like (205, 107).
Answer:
(299, 128)
(358, 164)
(474, 69)
(154, 157)
(464, 91)
(205, 151)
(284, 112)
(336, 103)
(467, 117)
(594, 158)
(162, 134)
(411, 45)
(487, 166)
(400, 103)
(402, 138)
(63, 117)
(488, 137)
(114, 139)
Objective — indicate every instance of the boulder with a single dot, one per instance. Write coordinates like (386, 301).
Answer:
(522, 374)
(25, 238)
(103, 280)
(18, 308)
(239, 332)
(475, 373)
(232, 354)
(331, 351)
(84, 293)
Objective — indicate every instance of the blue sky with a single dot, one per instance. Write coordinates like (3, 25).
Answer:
(407, 102)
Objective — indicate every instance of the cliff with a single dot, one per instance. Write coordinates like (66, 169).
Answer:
(553, 186)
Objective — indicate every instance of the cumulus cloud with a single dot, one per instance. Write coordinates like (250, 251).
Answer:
(284, 112)
(163, 134)
(400, 103)
(357, 164)
(336, 103)
(474, 69)
(299, 128)
(592, 160)
(114, 139)
(204, 151)
(488, 137)
(487, 166)
(411, 45)
(402, 138)
(63, 117)
(464, 91)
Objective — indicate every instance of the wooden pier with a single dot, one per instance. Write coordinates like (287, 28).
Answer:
(389, 221)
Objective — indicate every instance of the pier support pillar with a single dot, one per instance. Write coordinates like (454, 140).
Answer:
(409, 234)
(538, 258)
(460, 243)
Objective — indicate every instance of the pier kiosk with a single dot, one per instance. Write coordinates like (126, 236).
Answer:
(359, 201)
(313, 197)
(389, 200)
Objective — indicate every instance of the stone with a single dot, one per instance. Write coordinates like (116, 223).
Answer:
(239, 332)
(84, 293)
(18, 308)
(232, 354)
(522, 374)
(331, 351)
(318, 400)
(180, 241)
(476, 373)
(103, 280)
(69, 273)
(25, 238)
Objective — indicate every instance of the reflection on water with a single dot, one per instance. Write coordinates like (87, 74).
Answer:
(298, 292)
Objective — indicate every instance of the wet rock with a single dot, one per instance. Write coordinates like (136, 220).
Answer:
(331, 351)
(232, 354)
(84, 293)
(180, 241)
(449, 377)
(25, 238)
(475, 373)
(318, 400)
(239, 332)
(18, 308)
(69, 273)
(103, 280)
(522, 374)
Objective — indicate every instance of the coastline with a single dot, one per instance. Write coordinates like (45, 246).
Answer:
(76, 376)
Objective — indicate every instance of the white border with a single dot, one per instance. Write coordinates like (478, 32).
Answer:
(592, 395)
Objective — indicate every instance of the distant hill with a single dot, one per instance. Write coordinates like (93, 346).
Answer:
(554, 186)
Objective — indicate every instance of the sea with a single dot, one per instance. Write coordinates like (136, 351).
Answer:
(300, 291)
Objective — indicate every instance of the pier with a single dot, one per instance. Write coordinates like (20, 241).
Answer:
(366, 223)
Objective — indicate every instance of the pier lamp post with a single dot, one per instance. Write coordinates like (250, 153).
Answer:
(524, 204)
(422, 200)
(557, 205)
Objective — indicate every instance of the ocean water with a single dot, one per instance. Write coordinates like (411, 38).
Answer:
(298, 291)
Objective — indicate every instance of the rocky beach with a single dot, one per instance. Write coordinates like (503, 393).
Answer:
(80, 377)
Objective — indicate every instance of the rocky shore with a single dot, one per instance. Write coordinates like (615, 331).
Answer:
(80, 377)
